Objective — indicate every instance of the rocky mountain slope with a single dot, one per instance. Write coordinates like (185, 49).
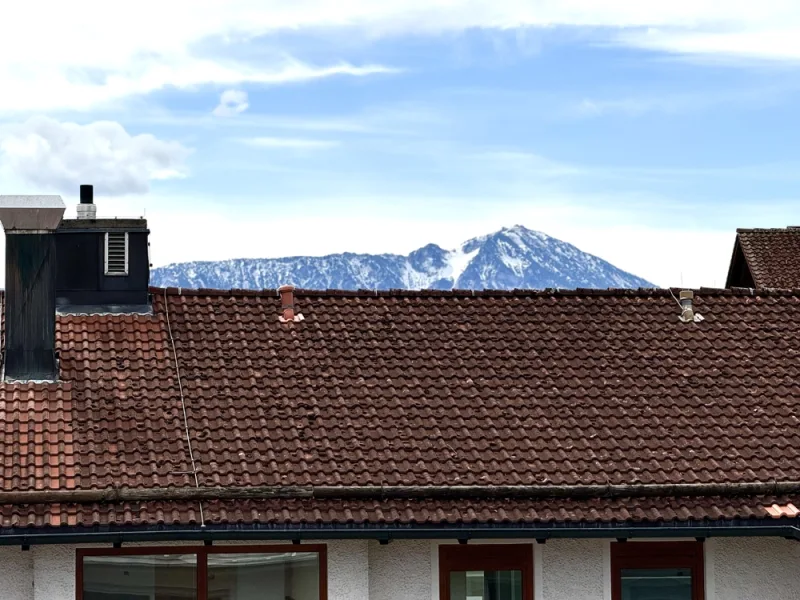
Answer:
(513, 257)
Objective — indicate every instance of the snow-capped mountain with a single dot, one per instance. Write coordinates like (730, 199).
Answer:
(511, 258)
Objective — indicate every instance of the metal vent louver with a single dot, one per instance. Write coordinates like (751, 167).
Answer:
(116, 253)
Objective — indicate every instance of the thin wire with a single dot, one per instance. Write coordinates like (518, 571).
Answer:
(183, 407)
(674, 297)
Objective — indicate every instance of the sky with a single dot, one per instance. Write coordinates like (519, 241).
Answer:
(643, 132)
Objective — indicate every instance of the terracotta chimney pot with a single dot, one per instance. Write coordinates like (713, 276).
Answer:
(287, 301)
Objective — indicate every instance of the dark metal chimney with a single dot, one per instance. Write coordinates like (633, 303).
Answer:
(30, 294)
(87, 209)
(87, 194)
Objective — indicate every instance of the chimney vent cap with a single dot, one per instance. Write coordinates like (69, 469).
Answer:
(287, 305)
(87, 194)
(31, 213)
(686, 303)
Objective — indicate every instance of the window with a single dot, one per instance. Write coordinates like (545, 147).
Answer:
(486, 572)
(116, 253)
(204, 573)
(657, 571)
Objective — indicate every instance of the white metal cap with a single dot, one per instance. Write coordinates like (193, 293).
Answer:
(31, 213)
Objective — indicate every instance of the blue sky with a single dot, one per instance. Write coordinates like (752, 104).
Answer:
(644, 134)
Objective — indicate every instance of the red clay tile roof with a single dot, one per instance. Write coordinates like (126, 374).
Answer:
(405, 388)
(37, 448)
(770, 256)
(395, 512)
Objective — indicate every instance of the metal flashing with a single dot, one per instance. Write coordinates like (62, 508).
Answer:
(105, 309)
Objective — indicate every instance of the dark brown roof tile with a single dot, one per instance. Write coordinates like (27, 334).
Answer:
(397, 512)
(502, 388)
(772, 257)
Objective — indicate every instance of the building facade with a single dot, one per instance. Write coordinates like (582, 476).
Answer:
(168, 444)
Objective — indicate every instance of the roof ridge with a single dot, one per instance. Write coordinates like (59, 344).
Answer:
(790, 229)
(532, 293)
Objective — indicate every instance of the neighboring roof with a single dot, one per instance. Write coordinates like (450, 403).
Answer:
(413, 388)
(766, 258)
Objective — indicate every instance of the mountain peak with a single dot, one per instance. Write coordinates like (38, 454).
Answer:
(524, 232)
(518, 229)
(512, 257)
(518, 233)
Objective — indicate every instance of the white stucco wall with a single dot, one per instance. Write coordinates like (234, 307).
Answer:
(400, 570)
(572, 570)
(348, 570)
(53, 572)
(755, 568)
(737, 569)
(16, 574)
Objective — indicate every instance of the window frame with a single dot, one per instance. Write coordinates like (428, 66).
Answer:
(658, 555)
(202, 552)
(127, 255)
(486, 557)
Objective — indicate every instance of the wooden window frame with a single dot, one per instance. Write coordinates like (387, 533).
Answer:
(202, 553)
(658, 555)
(486, 557)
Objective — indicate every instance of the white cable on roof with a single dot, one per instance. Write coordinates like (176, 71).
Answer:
(674, 297)
(183, 407)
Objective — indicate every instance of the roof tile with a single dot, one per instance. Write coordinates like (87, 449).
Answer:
(773, 256)
(492, 388)
(399, 512)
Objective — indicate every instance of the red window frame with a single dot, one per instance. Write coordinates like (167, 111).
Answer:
(658, 555)
(486, 557)
(202, 553)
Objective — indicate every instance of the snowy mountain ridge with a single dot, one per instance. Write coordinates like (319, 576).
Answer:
(513, 257)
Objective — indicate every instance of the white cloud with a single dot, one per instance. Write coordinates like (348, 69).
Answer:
(769, 41)
(80, 54)
(387, 119)
(44, 87)
(292, 143)
(231, 102)
(671, 103)
(57, 156)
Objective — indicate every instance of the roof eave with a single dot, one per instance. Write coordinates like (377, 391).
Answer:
(738, 257)
(783, 527)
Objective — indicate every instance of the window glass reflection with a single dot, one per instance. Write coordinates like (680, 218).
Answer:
(656, 584)
(485, 585)
(286, 576)
(146, 577)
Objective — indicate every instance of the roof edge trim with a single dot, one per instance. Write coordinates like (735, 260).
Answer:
(329, 531)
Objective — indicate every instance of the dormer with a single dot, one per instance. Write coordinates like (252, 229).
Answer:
(103, 264)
